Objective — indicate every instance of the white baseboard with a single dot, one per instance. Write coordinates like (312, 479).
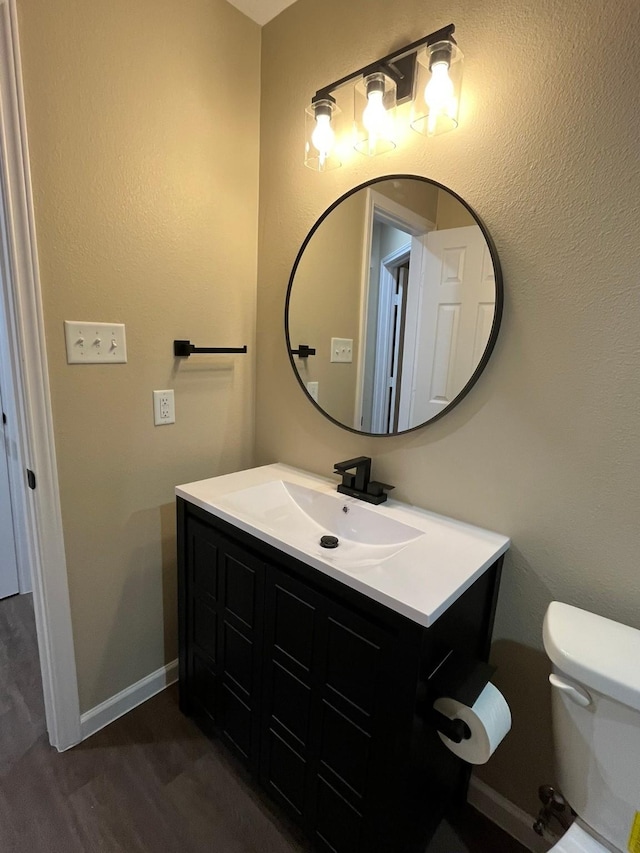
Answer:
(509, 817)
(128, 699)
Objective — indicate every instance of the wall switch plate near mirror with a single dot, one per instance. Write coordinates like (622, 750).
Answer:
(408, 270)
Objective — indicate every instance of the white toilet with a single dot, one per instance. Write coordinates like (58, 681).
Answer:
(596, 726)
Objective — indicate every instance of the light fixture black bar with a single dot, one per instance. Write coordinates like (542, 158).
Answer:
(186, 348)
(439, 35)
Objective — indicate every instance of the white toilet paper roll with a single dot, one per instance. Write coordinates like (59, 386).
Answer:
(489, 719)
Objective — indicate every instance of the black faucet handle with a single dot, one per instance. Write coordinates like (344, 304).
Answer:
(377, 489)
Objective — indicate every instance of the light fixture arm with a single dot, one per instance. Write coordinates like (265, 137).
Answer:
(393, 65)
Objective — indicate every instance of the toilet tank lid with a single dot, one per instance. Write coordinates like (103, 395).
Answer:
(597, 652)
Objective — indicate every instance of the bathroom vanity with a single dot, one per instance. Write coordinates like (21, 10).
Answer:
(318, 668)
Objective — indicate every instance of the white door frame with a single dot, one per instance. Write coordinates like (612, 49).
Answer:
(381, 377)
(42, 540)
(378, 207)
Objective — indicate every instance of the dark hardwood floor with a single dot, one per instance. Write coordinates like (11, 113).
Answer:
(149, 782)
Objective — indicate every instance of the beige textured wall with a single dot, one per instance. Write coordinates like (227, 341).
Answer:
(451, 214)
(418, 196)
(545, 448)
(143, 132)
(325, 304)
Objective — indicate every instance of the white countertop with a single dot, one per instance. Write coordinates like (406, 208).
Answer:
(420, 580)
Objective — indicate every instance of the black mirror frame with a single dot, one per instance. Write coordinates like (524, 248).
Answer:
(497, 317)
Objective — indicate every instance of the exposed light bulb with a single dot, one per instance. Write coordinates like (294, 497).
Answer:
(374, 115)
(375, 118)
(323, 137)
(439, 95)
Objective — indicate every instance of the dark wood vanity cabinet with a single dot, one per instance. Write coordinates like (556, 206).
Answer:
(221, 615)
(324, 694)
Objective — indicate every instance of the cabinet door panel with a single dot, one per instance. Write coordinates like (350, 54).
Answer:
(291, 630)
(344, 750)
(290, 703)
(286, 777)
(239, 589)
(294, 622)
(204, 561)
(352, 666)
(338, 826)
(237, 722)
(204, 686)
(224, 607)
(205, 628)
(324, 668)
(238, 659)
(240, 640)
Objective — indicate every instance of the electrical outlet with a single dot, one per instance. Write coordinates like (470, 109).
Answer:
(312, 388)
(342, 350)
(164, 409)
(95, 343)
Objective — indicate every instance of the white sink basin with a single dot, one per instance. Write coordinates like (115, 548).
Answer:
(297, 512)
(414, 561)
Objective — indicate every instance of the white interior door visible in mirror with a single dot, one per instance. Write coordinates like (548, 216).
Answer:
(8, 563)
(455, 317)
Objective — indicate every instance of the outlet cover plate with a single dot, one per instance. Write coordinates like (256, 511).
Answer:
(342, 350)
(164, 407)
(95, 343)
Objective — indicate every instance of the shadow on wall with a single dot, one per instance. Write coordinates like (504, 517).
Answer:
(169, 580)
(523, 678)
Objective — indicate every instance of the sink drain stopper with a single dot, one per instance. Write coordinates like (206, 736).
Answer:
(329, 541)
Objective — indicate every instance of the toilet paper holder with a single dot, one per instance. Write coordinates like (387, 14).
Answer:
(462, 679)
(455, 730)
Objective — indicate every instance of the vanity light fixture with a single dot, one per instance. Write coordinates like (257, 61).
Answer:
(427, 74)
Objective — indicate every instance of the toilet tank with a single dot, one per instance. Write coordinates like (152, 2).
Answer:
(596, 719)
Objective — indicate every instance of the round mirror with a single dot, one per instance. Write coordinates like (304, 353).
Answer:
(393, 306)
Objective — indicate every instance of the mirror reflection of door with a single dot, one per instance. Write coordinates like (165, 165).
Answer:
(453, 320)
(412, 371)
(401, 271)
(389, 231)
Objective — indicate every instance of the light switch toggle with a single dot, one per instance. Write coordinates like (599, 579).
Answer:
(87, 342)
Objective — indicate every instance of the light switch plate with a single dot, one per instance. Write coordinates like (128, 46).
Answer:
(342, 350)
(95, 343)
(312, 388)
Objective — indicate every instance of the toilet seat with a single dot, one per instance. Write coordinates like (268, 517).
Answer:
(578, 840)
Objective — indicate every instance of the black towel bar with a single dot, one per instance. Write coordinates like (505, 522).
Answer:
(186, 348)
(303, 351)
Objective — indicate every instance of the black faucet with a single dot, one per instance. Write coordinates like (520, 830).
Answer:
(359, 485)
